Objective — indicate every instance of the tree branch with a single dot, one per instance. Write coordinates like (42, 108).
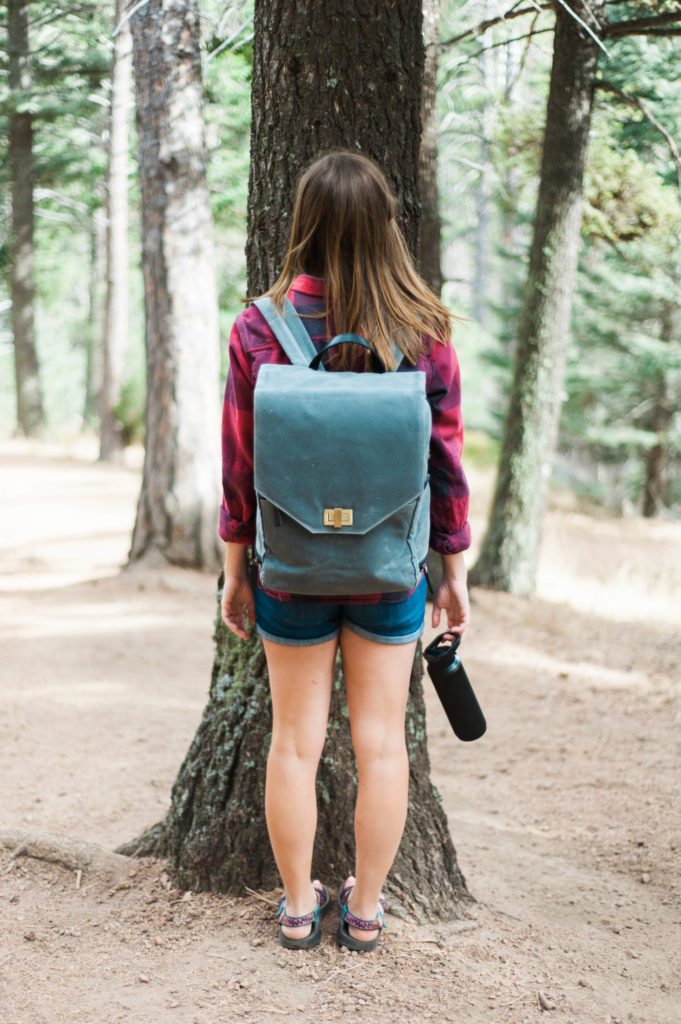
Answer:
(640, 26)
(482, 26)
(634, 101)
(664, 32)
(612, 29)
(580, 21)
(502, 42)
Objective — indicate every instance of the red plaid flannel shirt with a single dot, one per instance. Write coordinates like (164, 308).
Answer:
(252, 343)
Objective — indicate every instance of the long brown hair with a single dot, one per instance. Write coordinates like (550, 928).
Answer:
(344, 229)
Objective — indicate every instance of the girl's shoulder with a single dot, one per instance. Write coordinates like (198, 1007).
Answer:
(436, 353)
(254, 331)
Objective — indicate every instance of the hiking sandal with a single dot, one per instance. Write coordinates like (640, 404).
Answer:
(314, 918)
(347, 919)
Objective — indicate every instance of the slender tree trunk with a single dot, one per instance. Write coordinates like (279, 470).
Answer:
(94, 332)
(116, 312)
(176, 513)
(480, 268)
(663, 414)
(510, 547)
(358, 86)
(30, 414)
(509, 202)
(430, 265)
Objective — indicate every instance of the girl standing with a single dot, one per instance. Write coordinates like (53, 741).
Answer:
(347, 268)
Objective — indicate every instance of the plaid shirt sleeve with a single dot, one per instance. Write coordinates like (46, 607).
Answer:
(237, 508)
(450, 530)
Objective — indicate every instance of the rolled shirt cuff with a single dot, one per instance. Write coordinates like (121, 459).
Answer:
(451, 543)
(233, 531)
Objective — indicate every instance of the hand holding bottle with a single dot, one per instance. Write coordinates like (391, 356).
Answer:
(451, 595)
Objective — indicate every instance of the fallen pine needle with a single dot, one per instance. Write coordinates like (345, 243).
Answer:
(263, 1006)
(259, 896)
(221, 956)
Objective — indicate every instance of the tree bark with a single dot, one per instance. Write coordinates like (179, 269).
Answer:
(663, 415)
(116, 311)
(326, 75)
(510, 547)
(30, 414)
(176, 512)
(431, 226)
(93, 350)
(482, 187)
(511, 189)
(312, 89)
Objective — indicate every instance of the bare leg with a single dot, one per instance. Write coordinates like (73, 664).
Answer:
(301, 679)
(377, 687)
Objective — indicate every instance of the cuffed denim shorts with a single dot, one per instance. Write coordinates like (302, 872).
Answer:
(302, 623)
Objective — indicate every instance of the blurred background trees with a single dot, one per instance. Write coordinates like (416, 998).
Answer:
(619, 429)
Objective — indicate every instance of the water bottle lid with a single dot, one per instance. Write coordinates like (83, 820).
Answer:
(444, 645)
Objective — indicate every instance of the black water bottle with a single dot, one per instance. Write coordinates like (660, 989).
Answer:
(453, 686)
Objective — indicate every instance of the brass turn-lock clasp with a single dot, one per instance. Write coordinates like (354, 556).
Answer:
(337, 517)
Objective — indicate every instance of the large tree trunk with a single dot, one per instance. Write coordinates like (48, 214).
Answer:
(326, 75)
(430, 266)
(176, 513)
(510, 547)
(358, 86)
(116, 311)
(30, 415)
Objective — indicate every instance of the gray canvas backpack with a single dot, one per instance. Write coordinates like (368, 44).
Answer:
(340, 469)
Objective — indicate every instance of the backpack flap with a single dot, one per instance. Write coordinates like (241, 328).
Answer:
(344, 440)
(340, 474)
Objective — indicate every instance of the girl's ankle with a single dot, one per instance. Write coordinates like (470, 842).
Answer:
(365, 912)
(305, 904)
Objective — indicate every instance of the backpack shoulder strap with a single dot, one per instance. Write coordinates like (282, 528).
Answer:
(293, 337)
(398, 354)
(288, 330)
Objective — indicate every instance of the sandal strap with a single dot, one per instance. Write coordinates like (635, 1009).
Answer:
(297, 922)
(361, 922)
(344, 896)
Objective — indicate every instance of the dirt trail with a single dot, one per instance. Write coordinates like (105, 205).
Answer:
(565, 816)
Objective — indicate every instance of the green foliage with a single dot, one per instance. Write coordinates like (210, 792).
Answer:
(491, 107)
(228, 125)
(626, 199)
(129, 411)
(492, 110)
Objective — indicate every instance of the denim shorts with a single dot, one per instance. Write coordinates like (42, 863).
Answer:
(301, 623)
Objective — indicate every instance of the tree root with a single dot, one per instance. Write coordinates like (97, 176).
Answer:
(150, 843)
(74, 854)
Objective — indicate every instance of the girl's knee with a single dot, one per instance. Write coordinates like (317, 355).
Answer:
(373, 742)
(298, 745)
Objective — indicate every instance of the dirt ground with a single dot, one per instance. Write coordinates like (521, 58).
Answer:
(565, 815)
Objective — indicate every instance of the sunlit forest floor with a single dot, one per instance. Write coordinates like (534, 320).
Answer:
(565, 815)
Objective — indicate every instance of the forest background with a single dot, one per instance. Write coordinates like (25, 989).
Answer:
(620, 431)
(562, 896)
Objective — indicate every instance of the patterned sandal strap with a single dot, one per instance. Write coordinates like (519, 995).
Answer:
(297, 922)
(361, 922)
